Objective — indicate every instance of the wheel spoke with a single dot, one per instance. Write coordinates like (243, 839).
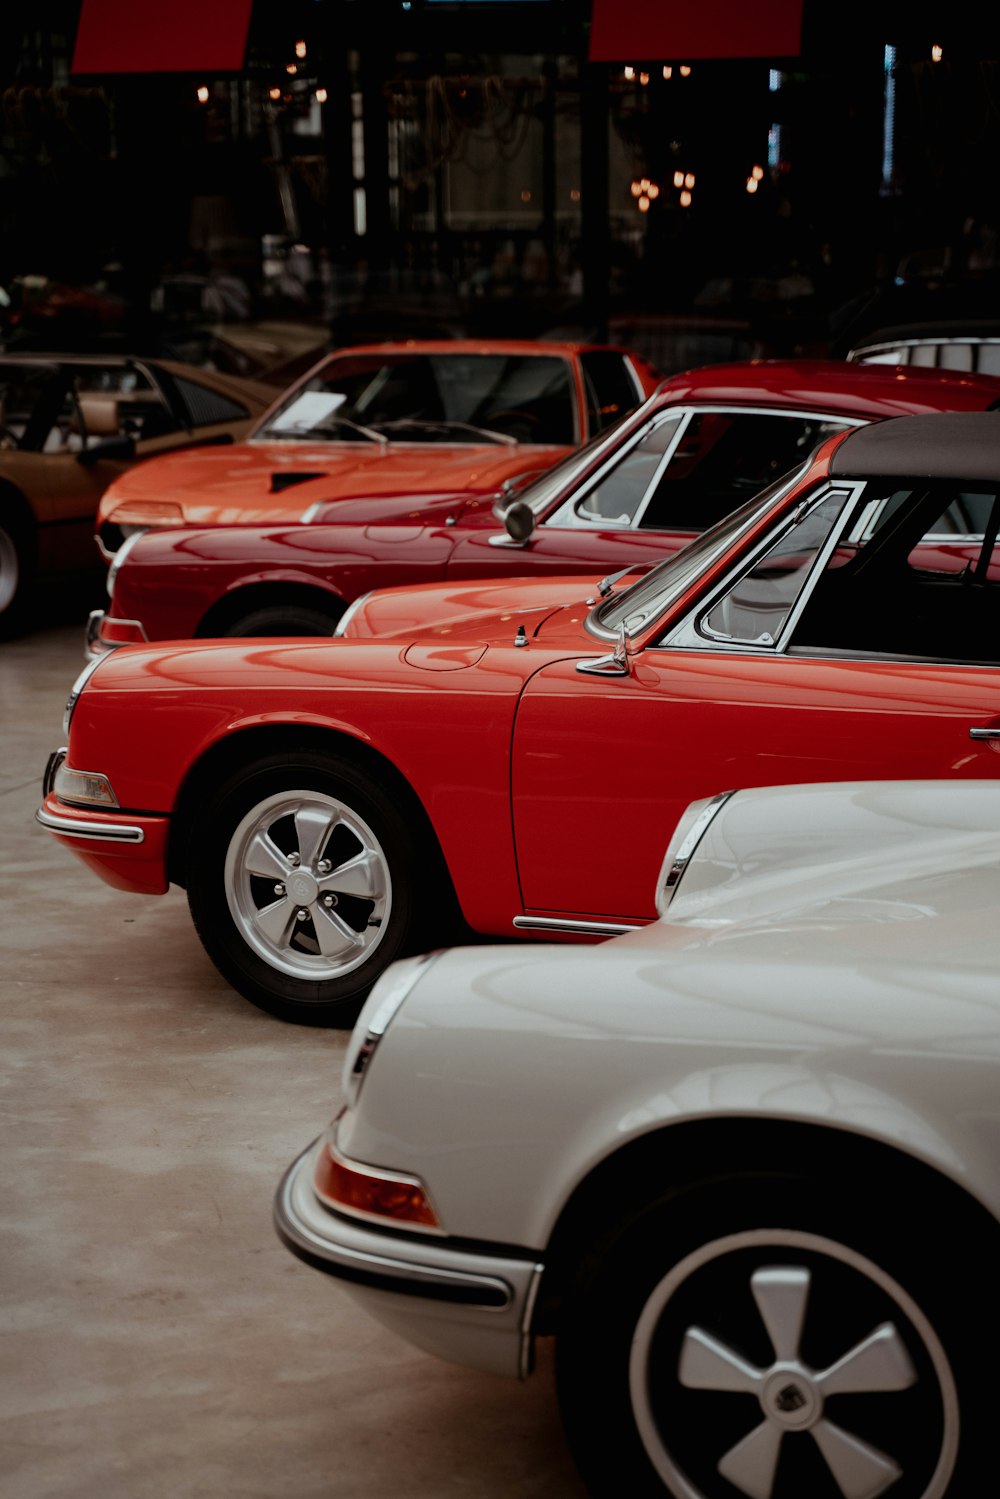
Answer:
(334, 936)
(265, 859)
(361, 876)
(781, 1293)
(750, 1466)
(880, 1362)
(313, 826)
(861, 1471)
(277, 921)
(707, 1364)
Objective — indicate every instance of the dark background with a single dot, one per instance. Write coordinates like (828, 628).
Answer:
(144, 208)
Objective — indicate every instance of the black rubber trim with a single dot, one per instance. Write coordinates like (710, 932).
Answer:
(383, 1281)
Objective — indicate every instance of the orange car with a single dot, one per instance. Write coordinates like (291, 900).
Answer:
(69, 424)
(421, 419)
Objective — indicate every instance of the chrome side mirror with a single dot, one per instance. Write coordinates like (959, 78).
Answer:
(519, 521)
(615, 665)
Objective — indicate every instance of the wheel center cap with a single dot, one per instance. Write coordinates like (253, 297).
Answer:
(302, 887)
(791, 1399)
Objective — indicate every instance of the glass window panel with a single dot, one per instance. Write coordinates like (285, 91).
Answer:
(989, 359)
(724, 458)
(618, 495)
(956, 357)
(756, 607)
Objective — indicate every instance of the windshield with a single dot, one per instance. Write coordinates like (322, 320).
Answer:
(413, 397)
(672, 577)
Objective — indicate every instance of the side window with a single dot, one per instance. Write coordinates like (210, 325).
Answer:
(27, 401)
(205, 407)
(956, 356)
(724, 458)
(754, 610)
(902, 587)
(616, 497)
(119, 400)
(611, 392)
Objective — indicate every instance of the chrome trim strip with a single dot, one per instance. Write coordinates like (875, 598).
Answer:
(101, 832)
(683, 856)
(930, 342)
(52, 765)
(527, 1341)
(560, 924)
(418, 1279)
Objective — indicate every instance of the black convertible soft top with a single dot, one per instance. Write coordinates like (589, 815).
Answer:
(949, 445)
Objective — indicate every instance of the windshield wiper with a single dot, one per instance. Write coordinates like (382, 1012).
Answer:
(605, 586)
(316, 429)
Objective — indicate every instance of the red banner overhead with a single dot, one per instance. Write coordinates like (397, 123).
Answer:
(672, 31)
(181, 36)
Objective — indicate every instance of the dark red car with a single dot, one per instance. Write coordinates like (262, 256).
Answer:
(705, 442)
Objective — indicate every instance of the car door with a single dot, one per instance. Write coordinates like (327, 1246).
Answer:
(832, 652)
(669, 481)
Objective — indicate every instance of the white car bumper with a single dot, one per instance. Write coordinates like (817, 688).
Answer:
(471, 1305)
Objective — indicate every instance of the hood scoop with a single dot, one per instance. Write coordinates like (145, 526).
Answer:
(286, 480)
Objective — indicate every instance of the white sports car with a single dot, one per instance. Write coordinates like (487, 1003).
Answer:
(743, 1165)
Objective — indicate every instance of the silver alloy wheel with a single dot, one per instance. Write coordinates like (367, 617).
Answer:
(10, 570)
(308, 886)
(790, 1394)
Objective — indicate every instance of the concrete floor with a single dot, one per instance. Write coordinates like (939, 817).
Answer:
(159, 1343)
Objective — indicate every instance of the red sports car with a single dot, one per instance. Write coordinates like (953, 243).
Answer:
(704, 443)
(420, 419)
(526, 748)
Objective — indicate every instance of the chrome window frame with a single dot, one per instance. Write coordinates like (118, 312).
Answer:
(859, 354)
(847, 422)
(570, 502)
(691, 634)
(574, 521)
(776, 496)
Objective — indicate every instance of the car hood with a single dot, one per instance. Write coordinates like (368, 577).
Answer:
(486, 611)
(260, 482)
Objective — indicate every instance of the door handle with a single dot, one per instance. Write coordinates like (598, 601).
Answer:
(984, 733)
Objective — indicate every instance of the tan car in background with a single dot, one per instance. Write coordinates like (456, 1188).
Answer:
(69, 425)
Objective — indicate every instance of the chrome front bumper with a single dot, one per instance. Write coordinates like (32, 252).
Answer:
(468, 1306)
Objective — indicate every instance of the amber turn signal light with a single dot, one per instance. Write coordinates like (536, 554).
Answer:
(371, 1193)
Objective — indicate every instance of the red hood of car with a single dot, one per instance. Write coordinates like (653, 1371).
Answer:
(263, 482)
(486, 613)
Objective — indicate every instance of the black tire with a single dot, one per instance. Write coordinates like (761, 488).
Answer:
(645, 1402)
(17, 573)
(269, 814)
(284, 619)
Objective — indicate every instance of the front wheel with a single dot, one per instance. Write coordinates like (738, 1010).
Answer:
(300, 885)
(752, 1342)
